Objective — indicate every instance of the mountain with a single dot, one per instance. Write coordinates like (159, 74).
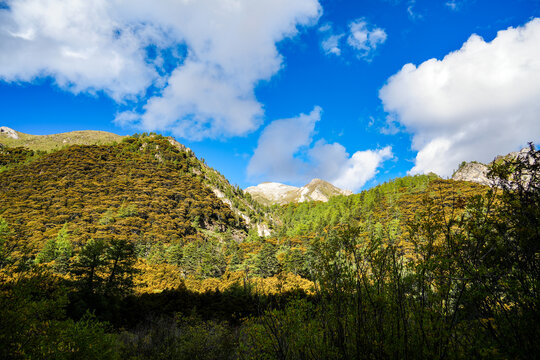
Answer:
(142, 189)
(472, 171)
(12, 138)
(252, 213)
(269, 193)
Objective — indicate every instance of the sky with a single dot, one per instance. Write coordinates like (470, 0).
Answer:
(352, 92)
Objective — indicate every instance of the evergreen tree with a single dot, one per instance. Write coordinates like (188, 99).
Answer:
(89, 267)
(266, 263)
(59, 250)
(120, 259)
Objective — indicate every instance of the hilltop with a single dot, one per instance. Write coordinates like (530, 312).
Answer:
(12, 138)
(141, 188)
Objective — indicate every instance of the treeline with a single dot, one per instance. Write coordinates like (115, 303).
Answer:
(398, 199)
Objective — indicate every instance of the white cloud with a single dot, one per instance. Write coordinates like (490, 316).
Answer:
(77, 43)
(413, 14)
(455, 5)
(278, 144)
(330, 45)
(477, 102)
(101, 45)
(332, 162)
(286, 153)
(324, 28)
(365, 38)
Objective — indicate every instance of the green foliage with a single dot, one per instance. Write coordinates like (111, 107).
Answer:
(181, 338)
(59, 250)
(266, 263)
(11, 157)
(143, 187)
(33, 324)
(415, 268)
(468, 289)
(105, 267)
(5, 233)
(313, 217)
(203, 258)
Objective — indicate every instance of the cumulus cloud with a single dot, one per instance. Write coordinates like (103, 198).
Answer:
(201, 58)
(286, 152)
(362, 39)
(330, 45)
(477, 102)
(365, 38)
(75, 42)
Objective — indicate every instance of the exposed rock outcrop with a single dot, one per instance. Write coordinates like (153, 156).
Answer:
(474, 172)
(9, 132)
(477, 172)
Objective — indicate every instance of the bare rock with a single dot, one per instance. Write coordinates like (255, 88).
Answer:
(474, 172)
(9, 132)
(177, 145)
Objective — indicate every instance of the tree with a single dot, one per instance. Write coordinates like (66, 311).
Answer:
(266, 262)
(90, 265)
(58, 250)
(120, 258)
(4, 235)
(503, 258)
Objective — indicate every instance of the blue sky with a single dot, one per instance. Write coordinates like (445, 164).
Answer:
(283, 91)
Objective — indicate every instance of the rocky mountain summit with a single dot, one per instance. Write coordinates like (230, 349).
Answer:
(269, 193)
(477, 172)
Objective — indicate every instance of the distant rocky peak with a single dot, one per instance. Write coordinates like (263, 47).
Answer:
(276, 193)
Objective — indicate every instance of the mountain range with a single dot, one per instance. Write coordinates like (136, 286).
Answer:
(155, 190)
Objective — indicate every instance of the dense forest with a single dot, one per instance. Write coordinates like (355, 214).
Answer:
(124, 251)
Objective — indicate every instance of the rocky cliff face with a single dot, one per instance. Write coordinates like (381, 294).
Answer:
(474, 172)
(275, 193)
(477, 172)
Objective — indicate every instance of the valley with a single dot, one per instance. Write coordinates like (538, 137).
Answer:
(134, 243)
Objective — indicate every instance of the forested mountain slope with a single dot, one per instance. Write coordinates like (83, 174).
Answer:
(398, 199)
(20, 146)
(142, 189)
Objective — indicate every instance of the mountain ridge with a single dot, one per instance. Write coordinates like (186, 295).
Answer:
(13, 138)
(269, 193)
